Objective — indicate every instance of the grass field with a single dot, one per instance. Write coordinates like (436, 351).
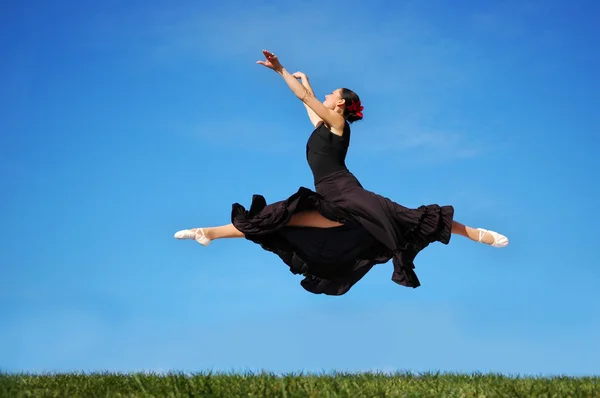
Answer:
(293, 385)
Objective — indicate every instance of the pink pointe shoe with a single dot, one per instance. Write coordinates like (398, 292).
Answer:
(499, 240)
(198, 236)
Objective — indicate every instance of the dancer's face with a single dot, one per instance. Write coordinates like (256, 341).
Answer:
(334, 99)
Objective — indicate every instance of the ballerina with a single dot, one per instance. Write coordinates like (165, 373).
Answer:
(335, 234)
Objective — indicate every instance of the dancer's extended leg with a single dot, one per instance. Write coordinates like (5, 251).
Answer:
(205, 235)
(480, 235)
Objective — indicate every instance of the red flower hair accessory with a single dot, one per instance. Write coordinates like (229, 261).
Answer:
(356, 108)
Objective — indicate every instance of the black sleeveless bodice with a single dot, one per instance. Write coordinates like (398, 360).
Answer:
(326, 152)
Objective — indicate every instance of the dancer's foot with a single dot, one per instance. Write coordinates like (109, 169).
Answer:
(196, 234)
(492, 238)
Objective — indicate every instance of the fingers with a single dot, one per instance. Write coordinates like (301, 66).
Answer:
(300, 76)
(267, 64)
(271, 60)
(269, 54)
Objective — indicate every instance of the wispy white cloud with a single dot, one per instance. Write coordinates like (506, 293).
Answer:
(401, 51)
(511, 19)
(404, 67)
(263, 136)
(406, 138)
(375, 334)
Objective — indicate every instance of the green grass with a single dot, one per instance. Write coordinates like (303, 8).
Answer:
(311, 385)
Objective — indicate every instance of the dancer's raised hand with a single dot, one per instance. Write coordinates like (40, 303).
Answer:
(299, 75)
(271, 61)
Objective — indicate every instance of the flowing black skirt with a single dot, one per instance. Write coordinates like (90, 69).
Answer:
(375, 229)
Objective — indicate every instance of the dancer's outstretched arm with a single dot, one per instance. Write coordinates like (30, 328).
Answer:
(333, 119)
(314, 118)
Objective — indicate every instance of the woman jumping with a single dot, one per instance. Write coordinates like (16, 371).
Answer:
(335, 234)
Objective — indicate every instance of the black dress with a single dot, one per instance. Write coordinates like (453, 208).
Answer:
(375, 229)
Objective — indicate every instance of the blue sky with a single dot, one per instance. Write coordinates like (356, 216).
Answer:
(123, 122)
